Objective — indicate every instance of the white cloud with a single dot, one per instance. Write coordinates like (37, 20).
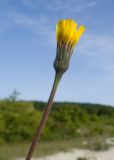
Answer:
(83, 6)
(61, 5)
(37, 24)
(73, 6)
(98, 44)
(40, 25)
(101, 50)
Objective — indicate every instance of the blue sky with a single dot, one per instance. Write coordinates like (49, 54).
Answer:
(28, 48)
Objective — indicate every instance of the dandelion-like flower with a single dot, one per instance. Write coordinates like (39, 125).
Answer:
(67, 35)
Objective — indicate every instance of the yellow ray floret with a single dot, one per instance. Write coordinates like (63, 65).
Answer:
(67, 32)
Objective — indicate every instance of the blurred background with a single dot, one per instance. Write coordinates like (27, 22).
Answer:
(84, 112)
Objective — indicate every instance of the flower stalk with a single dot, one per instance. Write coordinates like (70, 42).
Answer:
(45, 115)
(67, 36)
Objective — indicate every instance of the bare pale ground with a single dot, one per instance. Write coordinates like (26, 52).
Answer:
(76, 153)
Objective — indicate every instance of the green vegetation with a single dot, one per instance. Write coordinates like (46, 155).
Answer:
(69, 125)
(19, 119)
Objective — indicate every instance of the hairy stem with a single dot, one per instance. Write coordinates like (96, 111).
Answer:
(44, 116)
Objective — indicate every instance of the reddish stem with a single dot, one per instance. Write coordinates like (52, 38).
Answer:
(44, 116)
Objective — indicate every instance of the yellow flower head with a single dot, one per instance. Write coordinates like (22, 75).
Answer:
(67, 32)
(67, 36)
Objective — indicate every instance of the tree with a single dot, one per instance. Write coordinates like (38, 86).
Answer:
(14, 95)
